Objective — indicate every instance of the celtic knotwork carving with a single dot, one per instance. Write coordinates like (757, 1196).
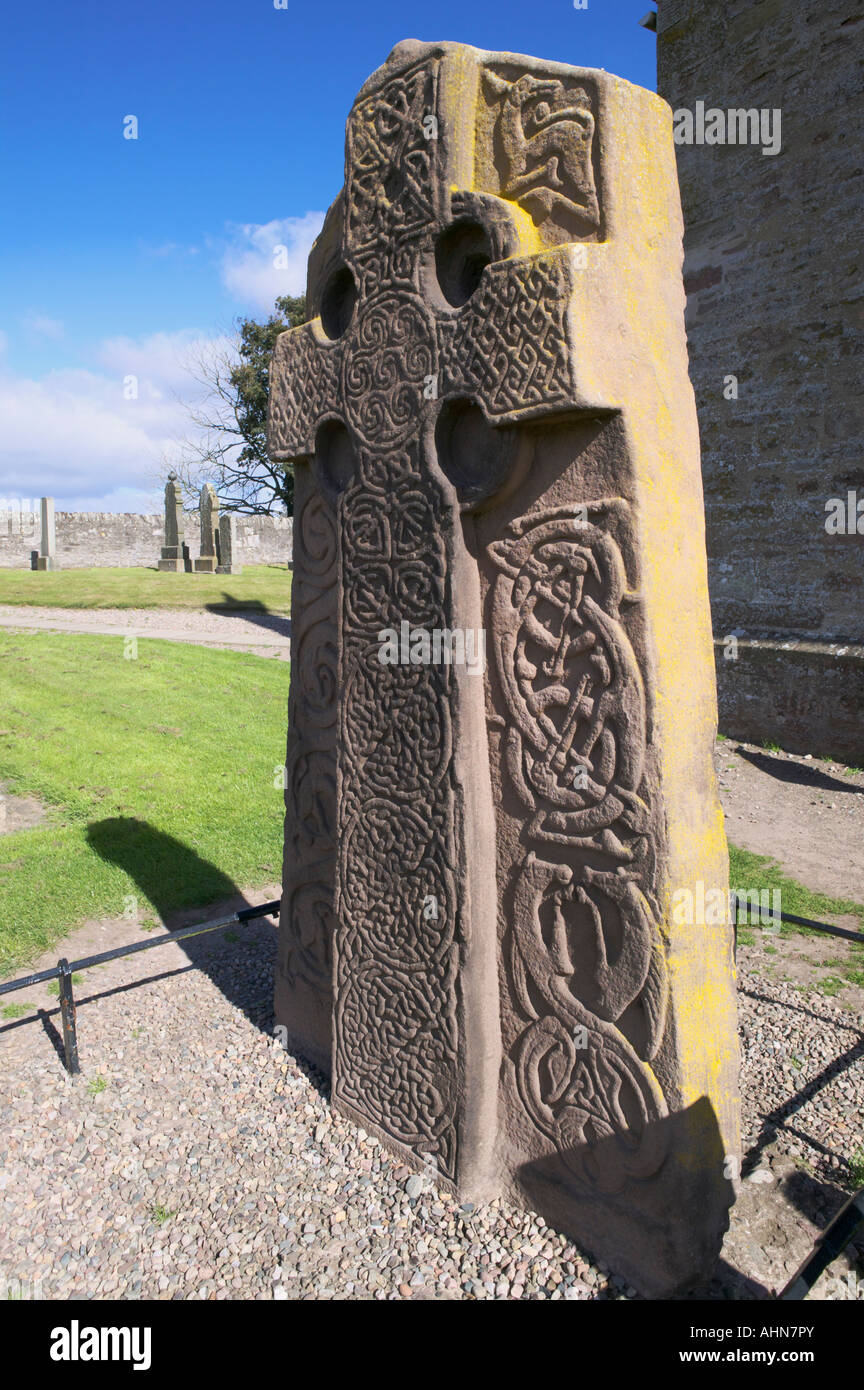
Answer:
(391, 175)
(308, 376)
(585, 1096)
(311, 776)
(398, 910)
(545, 131)
(571, 676)
(385, 366)
(367, 597)
(397, 1035)
(308, 927)
(510, 346)
(307, 922)
(414, 533)
(397, 1057)
(398, 885)
(585, 945)
(315, 659)
(397, 728)
(314, 656)
(366, 526)
(317, 536)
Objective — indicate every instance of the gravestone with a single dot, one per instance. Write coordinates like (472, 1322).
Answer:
(228, 546)
(488, 863)
(208, 507)
(172, 550)
(47, 557)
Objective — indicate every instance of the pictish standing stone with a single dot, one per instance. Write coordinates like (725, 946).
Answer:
(47, 557)
(228, 545)
(208, 507)
(485, 928)
(172, 550)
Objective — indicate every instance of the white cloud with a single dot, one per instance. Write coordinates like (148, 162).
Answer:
(268, 259)
(75, 436)
(161, 361)
(40, 326)
(75, 433)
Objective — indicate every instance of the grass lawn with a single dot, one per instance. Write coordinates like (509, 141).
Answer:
(158, 775)
(158, 778)
(756, 873)
(266, 588)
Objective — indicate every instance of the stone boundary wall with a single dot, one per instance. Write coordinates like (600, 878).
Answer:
(808, 696)
(774, 317)
(92, 539)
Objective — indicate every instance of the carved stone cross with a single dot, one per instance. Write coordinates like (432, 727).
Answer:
(492, 431)
(172, 550)
(208, 509)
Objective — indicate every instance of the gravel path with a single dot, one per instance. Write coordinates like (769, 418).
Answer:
(807, 813)
(265, 634)
(194, 1158)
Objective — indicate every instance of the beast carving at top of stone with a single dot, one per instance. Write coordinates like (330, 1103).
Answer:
(478, 873)
(544, 136)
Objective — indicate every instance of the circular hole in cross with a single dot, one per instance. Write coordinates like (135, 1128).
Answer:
(475, 457)
(462, 253)
(334, 456)
(337, 302)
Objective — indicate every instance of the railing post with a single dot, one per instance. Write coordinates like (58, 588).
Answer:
(67, 1013)
(831, 1243)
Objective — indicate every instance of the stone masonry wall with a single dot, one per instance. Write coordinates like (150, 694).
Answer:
(87, 539)
(773, 277)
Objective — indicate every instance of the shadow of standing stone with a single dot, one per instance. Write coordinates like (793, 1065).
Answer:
(178, 883)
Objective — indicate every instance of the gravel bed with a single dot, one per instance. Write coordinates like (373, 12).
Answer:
(802, 1060)
(194, 1158)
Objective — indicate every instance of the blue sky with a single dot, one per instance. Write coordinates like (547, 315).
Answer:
(133, 256)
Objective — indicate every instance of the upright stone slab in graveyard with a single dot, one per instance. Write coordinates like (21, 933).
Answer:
(172, 550)
(47, 557)
(228, 546)
(208, 507)
(492, 429)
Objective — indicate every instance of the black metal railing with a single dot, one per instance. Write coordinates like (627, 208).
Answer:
(64, 969)
(759, 916)
(829, 1243)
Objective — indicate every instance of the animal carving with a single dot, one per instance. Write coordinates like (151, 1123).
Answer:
(576, 751)
(544, 134)
(585, 951)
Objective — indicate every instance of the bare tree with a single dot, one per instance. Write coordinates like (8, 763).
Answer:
(227, 443)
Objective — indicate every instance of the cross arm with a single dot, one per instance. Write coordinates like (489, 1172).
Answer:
(510, 347)
(304, 390)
